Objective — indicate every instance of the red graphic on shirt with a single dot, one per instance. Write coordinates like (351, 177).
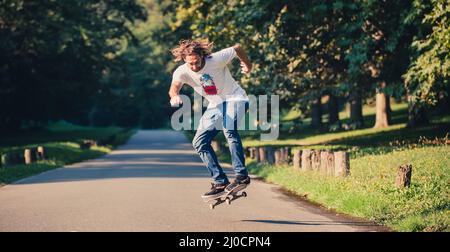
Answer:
(208, 84)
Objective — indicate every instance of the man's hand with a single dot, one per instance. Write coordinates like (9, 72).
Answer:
(176, 101)
(245, 69)
(174, 91)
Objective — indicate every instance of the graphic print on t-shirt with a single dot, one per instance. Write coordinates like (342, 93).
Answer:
(208, 84)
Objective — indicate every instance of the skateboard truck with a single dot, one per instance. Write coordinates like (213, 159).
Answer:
(227, 197)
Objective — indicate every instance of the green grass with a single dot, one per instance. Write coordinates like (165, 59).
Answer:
(61, 141)
(370, 190)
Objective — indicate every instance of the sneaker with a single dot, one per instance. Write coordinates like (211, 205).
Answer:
(240, 181)
(216, 190)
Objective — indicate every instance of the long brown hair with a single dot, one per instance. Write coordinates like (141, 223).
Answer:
(186, 47)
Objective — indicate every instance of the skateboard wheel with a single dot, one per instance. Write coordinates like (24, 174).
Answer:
(228, 201)
(244, 194)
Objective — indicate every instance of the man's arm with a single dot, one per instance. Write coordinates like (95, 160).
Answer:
(245, 61)
(174, 92)
(175, 88)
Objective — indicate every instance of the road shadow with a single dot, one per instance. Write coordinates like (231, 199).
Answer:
(314, 223)
(153, 154)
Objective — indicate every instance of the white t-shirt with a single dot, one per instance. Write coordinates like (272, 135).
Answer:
(214, 80)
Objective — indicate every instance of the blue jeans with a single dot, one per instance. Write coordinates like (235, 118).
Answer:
(225, 116)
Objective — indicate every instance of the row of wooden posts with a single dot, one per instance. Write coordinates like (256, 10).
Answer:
(29, 156)
(324, 161)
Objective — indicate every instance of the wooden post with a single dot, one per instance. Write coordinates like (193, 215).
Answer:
(262, 154)
(341, 164)
(323, 162)
(297, 159)
(287, 155)
(93, 143)
(251, 152)
(9, 159)
(315, 160)
(41, 154)
(18, 158)
(30, 156)
(281, 159)
(306, 160)
(277, 156)
(256, 152)
(85, 145)
(217, 147)
(330, 164)
(403, 178)
(270, 152)
(6, 160)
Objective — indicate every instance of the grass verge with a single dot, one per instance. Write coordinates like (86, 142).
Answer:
(62, 144)
(370, 191)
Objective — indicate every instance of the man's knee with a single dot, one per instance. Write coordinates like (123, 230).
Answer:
(232, 136)
(198, 143)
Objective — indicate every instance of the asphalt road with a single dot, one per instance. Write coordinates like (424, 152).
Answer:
(154, 183)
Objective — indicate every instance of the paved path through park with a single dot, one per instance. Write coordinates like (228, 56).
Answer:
(153, 183)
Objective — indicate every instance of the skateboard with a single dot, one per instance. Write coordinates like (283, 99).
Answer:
(227, 197)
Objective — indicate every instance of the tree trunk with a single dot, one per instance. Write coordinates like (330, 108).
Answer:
(356, 115)
(333, 111)
(383, 109)
(416, 115)
(316, 113)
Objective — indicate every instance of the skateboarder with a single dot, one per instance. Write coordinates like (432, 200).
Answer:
(207, 73)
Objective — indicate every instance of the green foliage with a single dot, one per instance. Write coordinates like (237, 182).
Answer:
(304, 49)
(428, 75)
(54, 54)
(135, 93)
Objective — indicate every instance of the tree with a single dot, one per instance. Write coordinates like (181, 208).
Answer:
(54, 54)
(429, 72)
(379, 54)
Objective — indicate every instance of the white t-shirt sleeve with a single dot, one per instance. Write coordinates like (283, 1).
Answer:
(225, 55)
(178, 75)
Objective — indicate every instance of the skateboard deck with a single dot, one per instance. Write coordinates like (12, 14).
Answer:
(227, 197)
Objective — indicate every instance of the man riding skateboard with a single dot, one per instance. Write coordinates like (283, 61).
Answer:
(208, 74)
